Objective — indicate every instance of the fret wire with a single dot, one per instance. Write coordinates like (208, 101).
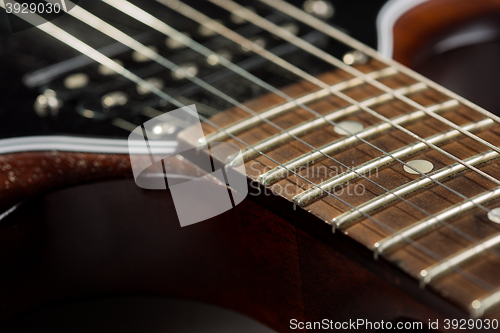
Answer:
(462, 257)
(278, 31)
(105, 28)
(311, 194)
(479, 306)
(177, 3)
(221, 29)
(312, 49)
(495, 298)
(308, 19)
(259, 21)
(310, 125)
(71, 41)
(403, 199)
(403, 236)
(388, 191)
(311, 157)
(273, 112)
(348, 218)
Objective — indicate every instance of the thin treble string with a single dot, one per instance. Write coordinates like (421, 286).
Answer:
(181, 8)
(105, 28)
(457, 231)
(153, 22)
(78, 45)
(278, 31)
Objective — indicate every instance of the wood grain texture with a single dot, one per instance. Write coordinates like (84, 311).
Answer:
(472, 227)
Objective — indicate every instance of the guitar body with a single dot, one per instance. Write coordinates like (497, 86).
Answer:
(83, 233)
(113, 238)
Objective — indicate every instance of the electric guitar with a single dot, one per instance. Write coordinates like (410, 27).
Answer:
(331, 136)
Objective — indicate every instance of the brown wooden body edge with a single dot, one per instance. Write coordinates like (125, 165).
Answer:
(109, 237)
(424, 23)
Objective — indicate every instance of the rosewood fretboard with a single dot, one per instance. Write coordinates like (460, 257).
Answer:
(449, 229)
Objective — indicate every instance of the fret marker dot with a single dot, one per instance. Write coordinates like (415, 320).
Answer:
(476, 304)
(494, 215)
(421, 165)
(348, 127)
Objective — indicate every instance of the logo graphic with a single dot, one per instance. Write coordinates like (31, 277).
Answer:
(21, 13)
(195, 199)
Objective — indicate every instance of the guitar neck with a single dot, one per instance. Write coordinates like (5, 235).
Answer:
(430, 217)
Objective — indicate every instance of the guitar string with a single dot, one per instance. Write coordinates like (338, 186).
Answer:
(312, 49)
(200, 18)
(336, 34)
(78, 45)
(187, 41)
(103, 27)
(461, 233)
(231, 6)
(472, 240)
(279, 32)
